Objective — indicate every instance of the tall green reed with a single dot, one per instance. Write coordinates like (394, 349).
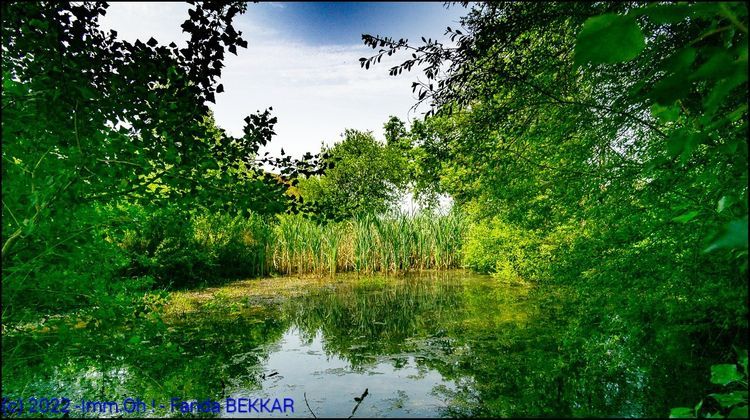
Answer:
(393, 242)
(209, 246)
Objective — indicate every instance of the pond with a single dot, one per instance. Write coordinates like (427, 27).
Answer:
(430, 344)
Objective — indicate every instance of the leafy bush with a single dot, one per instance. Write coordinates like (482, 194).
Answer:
(181, 249)
(163, 246)
(493, 246)
(731, 402)
(62, 267)
(236, 246)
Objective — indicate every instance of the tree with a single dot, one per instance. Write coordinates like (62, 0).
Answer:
(395, 133)
(365, 177)
(90, 118)
(530, 80)
(615, 136)
(92, 123)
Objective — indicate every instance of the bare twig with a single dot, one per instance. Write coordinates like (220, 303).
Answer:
(308, 406)
(359, 401)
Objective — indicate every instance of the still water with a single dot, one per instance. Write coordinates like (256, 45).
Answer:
(431, 344)
(397, 385)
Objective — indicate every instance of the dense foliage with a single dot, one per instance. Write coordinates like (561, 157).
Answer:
(211, 247)
(603, 146)
(94, 125)
(104, 139)
(596, 147)
(364, 177)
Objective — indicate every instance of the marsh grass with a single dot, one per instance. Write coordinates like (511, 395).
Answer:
(200, 249)
(368, 243)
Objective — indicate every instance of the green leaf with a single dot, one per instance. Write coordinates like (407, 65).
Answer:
(670, 89)
(682, 413)
(686, 217)
(718, 66)
(738, 413)
(733, 237)
(665, 113)
(742, 358)
(680, 60)
(682, 142)
(730, 399)
(722, 89)
(134, 340)
(609, 38)
(722, 204)
(724, 374)
(10, 86)
(86, 92)
(660, 13)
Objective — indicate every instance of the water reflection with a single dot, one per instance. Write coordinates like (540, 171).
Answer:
(492, 347)
(397, 386)
(440, 344)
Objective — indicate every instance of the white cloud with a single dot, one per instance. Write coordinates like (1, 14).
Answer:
(315, 91)
(161, 20)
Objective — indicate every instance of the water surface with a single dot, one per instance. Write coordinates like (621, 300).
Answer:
(430, 344)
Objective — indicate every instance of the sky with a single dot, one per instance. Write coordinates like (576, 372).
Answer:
(303, 60)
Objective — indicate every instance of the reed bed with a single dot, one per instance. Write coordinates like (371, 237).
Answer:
(224, 246)
(387, 243)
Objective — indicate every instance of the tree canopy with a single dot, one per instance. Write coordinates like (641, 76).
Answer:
(91, 118)
(364, 175)
(601, 145)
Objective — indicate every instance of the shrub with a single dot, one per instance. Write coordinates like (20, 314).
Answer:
(495, 247)
(181, 249)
